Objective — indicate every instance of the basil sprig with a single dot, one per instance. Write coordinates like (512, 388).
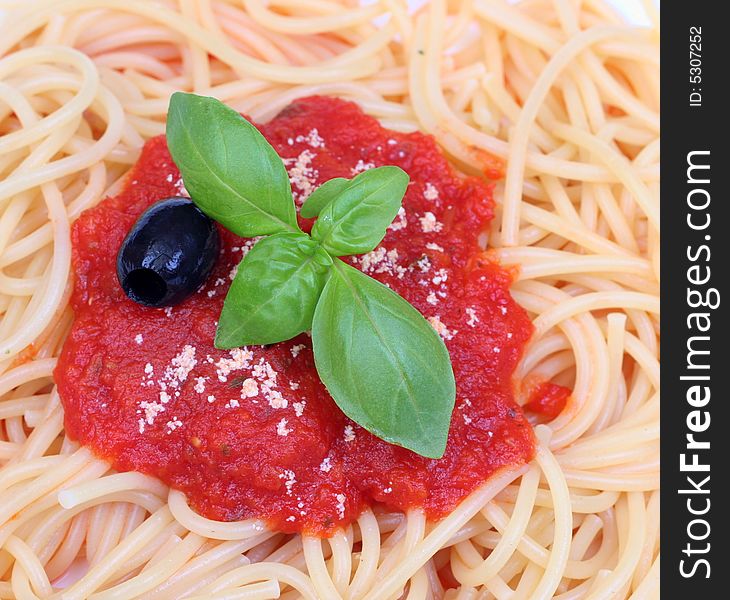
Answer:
(382, 362)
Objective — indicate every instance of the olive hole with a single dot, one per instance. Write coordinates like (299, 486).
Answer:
(145, 286)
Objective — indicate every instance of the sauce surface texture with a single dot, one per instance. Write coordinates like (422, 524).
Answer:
(252, 432)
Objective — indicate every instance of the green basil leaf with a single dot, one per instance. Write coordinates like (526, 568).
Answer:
(382, 362)
(231, 171)
(322, 196)
(356, 220)
(273, 296)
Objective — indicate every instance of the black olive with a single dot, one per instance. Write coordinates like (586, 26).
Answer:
(168, 254)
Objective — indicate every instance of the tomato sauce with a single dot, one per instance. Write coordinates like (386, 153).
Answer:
(253, 432)
(547, 399)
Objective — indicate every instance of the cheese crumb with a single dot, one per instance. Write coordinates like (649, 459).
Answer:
(183, 363)
(181, 190)
(173, 424)
(151, 410)
(340, 505)
(436, 247)
(240, 358)
(430, 193)
(274, 397)
(138, 338)
(211, 399)
(281, 428)
(361, 166)
(423, 264)
(199, 385)
(250, 388)
(295, 350)
(349, 433)
(400, 221)
(429, 223)
(432, 299)
(302, 175)
(473, 319)
(312, 138)
(299, 408)
(441, 329)
(290, 478)
(265, 373)
(381, 260)
(326, 465)
(442, 275)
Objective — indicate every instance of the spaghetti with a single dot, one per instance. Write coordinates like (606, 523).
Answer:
(563, 91)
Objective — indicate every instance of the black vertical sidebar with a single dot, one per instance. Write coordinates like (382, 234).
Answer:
(695, 440)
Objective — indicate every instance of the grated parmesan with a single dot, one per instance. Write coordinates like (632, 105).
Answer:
(240, 358)
(312, 138)
(400, 221)
(442, 275)
(249, 388)
(441, 329)
(290, 479)
(281, 428)
(429, 223)
(302, 175)
(430, 193)
(381, 260)
(362, 166)
(340, 505)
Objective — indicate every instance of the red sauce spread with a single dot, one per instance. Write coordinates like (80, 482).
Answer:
(547, 399)
(253, 432)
